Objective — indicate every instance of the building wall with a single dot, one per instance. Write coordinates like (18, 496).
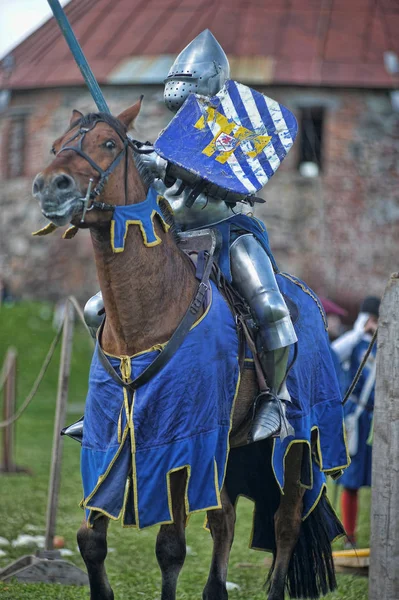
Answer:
(337, 231)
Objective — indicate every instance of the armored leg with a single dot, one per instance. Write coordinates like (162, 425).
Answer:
(94, 313)
(254, 278)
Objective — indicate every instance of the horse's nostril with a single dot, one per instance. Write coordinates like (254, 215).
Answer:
(38, 184)
(63, 182)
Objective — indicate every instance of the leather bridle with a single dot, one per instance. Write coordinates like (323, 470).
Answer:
(104, 174)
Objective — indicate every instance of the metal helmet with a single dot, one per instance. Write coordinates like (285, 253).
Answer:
(202, 67)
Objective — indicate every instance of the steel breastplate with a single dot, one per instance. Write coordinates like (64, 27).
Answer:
(206, 210)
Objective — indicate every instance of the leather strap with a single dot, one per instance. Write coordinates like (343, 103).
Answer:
(238, 308)
(172, 345)
(263, 387)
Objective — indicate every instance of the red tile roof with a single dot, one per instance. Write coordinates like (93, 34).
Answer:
(304, 42)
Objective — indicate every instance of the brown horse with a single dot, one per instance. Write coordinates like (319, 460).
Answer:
(135, 285)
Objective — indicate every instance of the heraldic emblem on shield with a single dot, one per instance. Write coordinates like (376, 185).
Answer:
(236, 139)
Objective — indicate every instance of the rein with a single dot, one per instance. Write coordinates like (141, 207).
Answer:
(360, 369)
(172, 345)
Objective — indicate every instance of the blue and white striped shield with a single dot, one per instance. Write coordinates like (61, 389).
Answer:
(236, 139)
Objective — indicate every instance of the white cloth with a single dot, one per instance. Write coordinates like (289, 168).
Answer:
(344, 345)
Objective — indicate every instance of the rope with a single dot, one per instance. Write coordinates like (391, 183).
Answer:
(360, 369)
(72, 300)
(38, 381)
(80, 314)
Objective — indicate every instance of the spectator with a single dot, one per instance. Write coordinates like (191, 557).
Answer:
(343, 346)
(358, 411)
(334, 314)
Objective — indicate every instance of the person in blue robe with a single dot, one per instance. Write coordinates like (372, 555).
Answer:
(358, 422)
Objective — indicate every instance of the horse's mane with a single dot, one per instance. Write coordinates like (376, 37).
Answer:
(169, 219)
(146, 175)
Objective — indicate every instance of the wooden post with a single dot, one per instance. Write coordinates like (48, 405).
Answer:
(7, 464)
(384, 570)
(10, 369)
(59, 423)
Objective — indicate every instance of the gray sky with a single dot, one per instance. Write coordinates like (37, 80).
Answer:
(19, 18)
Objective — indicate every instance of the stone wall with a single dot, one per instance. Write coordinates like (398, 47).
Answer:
(337, 231)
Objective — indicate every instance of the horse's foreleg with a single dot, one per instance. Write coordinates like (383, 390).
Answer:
(221, 523)
(171, 539)
(93, 548)
(287, 520)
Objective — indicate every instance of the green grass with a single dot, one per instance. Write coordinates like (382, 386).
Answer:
(131, 565)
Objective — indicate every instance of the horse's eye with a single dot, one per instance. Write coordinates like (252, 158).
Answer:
(53, 150)
(110, 144)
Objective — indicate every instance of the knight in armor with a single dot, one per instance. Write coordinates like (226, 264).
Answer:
(203, 68)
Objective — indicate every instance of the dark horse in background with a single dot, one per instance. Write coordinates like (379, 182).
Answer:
(146, 292)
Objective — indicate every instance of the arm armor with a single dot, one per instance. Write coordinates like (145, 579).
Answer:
(154, 163)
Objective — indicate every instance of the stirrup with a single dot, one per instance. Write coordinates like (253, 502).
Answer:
(269, 419)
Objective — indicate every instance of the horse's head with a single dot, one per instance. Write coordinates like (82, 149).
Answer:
(93, 168)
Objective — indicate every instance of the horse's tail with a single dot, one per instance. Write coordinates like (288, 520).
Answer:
(311, 571)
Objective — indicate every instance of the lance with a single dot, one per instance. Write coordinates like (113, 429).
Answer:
(78, 55)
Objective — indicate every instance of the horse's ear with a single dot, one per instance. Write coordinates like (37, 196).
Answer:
(129, 115)
(76, 115)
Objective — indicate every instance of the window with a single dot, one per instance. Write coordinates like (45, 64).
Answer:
(311, 141)
(15, 147)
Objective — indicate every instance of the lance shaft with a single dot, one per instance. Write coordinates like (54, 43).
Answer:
(78, 55)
